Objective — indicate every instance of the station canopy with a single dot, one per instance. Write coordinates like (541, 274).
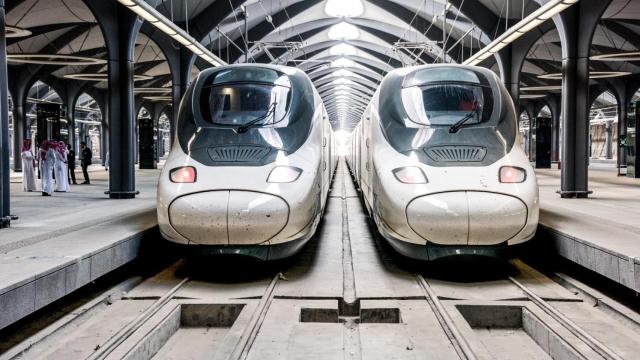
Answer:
(345, 46)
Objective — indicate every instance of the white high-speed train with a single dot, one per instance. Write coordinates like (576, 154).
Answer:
(439, 163)
(251, 165)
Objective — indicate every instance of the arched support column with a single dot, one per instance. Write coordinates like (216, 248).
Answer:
(624, 97)
(554, 103)
(510, 72)
(180, 80)
(19, 128)
(73, 91)
(5, 214)
(530, 106)
(576, 26)
(158, 109)
(180, 61)
(120, 27)
(18, 87)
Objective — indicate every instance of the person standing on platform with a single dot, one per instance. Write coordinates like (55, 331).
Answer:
(28, 167)
(60, 168)
(85, 161)
(71, 165)
(47, 160)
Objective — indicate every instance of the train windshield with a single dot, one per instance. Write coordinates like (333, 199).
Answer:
(242, 100)
(445, 97)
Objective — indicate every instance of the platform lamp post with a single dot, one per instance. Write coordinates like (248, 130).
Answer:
(5, 215)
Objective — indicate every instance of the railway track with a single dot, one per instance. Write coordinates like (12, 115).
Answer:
(344, 297)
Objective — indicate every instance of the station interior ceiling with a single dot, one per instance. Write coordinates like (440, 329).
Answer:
(346, 46)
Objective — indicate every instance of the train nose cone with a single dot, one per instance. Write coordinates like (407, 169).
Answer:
(228, 217)
(440, 218)
(467, 217)
(255, 217)
(494, 218)
(201, 218)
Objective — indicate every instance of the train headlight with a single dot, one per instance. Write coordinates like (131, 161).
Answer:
(284, 174)
(512, 174)
(410, 175)
(185, 174)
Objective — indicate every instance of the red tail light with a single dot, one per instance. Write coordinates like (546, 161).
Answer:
(185, 174)
(512, 174)
(410, 175)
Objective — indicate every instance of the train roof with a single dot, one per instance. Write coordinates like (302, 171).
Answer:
(288, 70)
(403, 72)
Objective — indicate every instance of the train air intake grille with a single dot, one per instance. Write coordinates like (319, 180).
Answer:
(456, 153)
(237, 153)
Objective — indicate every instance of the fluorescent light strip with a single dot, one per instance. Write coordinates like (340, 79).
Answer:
(592, 75)
(532, 96)
(622, 56)
(541, 88)
(148, 13)
(536, 18)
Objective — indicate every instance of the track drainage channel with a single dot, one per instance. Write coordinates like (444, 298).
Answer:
(509, 329)
(351, 312)
(197, 327)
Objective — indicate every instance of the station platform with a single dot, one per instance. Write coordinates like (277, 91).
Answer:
(65, 241)
(601, 233)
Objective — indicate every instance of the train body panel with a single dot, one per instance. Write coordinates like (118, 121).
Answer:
(463, 205)
(244, 204)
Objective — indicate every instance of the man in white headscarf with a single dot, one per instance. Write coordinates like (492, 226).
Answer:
(60, 167)
(28, 166)
(47, 161)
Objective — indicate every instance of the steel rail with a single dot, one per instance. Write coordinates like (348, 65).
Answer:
(576, 330)
(459, 342)
(250, 332)
(119, 337)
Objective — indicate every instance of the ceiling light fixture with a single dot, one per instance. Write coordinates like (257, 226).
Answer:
(536, 18)
(532, 96)
(54, 59)
(592, 75)
(343, 62)
(540, 88)
(623, 56)
(148, 13)
(151, 90)
(343, 31)
(344, 8)
(343, 49)
(101, 77)
(14, 32)
(342, 81)
(343, 73)
(158, 98)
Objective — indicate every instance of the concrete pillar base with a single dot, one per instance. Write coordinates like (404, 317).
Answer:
(574, 194)
(122, 194)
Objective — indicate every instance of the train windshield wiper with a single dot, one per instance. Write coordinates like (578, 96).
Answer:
(254, 122)
(455, 127)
